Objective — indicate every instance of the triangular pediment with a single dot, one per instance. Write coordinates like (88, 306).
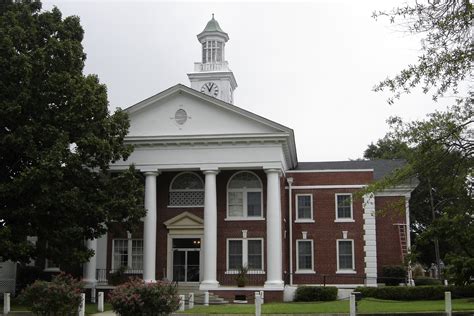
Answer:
(185, 220)
(182, 111)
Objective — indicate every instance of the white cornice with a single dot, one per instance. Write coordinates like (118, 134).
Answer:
(330, 170)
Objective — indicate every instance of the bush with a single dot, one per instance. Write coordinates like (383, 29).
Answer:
(60, 297)
(393, 275)
(426, 281)
(411, 293)
(315, 293)
(136, 297)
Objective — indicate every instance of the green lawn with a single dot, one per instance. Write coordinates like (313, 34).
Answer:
(365, 306)
(90, 308)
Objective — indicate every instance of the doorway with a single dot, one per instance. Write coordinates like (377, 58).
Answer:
(186, 259)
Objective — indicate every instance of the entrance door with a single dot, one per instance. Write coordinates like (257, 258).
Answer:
(186, 253)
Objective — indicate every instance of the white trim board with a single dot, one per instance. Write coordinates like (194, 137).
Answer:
(329, 170)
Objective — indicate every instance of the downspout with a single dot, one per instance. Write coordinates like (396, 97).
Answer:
(290, 217)
(408, 237)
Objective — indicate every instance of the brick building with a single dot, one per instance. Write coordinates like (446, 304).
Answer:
(224, 190)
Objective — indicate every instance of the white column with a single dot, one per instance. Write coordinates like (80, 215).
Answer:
(210, 231)
(370, 240)
(274, 242)
(149, 228)
(91, 266)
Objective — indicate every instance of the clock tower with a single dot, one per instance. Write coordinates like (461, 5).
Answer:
(212, 75)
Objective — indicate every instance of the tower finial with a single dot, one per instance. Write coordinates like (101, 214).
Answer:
(213, 16)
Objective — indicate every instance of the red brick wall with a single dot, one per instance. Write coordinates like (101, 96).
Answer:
(389, 210)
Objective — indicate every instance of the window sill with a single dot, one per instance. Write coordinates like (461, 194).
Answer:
(184, 206)
(230, 219)
(346, 272)
(342, 220)
(304, 221)
(305, 272)
(248, 272)
(52, 270)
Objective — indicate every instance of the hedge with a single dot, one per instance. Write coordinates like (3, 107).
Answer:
(393, 275)
(421, 281)
(315, 293)
(411, 293)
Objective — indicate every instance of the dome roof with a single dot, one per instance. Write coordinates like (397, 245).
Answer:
(213, 27)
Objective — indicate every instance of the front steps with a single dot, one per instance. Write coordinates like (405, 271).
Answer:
(186, 288)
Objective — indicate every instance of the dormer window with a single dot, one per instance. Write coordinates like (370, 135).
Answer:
(212, 52)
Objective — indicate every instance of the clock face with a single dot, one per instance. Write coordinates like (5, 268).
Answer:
(210, 88)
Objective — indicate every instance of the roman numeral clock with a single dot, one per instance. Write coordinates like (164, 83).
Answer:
(210, 88)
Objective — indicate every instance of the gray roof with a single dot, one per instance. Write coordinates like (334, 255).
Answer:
(382, 167)
(212, 27)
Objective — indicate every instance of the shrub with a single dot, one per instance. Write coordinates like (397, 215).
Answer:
(393, 275)
(315, 293)
(136, 297)
(118, 277)
(426, 281)
(410, 293)
(60, 297)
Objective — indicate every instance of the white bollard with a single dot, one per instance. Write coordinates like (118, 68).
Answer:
(6, 303)
(448, 307)
(258, 304)
(206, 298)
(82, 306)
(191, 300)
(352, 305)
(100, 302)
(262, 296)
(181, 302)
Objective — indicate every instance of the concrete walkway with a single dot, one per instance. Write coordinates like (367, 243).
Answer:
(108, 313)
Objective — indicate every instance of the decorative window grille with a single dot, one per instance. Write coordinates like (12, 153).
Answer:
(186, 189)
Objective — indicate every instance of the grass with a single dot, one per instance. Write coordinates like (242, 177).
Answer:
(365, 306)
(90, 308)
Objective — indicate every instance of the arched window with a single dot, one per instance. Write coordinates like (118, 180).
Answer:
(244, 196)
(187, 189)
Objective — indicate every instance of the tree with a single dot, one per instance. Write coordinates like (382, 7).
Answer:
(440, 148)
(438, 154)
(57, 140)
(447, 48)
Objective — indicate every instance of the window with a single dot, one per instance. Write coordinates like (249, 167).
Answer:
(127, 253)
(304, 259)
(244, 196)
(186, 190)
(245, 252)
(304, 207)
(344, 208)
(212, 52)
(345, 256)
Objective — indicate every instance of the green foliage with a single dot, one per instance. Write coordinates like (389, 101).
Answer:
(446, 48)
(412, 293)
(315, 293)
(393, 275)
(57, 139)
(422, 281)
(118, 277)
(136, 297)
(241, 277)
(60, 297)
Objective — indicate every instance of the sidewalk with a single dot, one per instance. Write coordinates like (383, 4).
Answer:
(107, 313)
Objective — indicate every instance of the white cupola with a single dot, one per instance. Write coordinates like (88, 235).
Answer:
(212, 75)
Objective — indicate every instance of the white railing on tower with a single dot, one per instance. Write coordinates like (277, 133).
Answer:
(223, 66)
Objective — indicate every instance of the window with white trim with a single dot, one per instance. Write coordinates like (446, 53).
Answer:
(344, 207)
(304, 207)
(245, 253)
(127, 253)
(244, 196)
(186, 190)
(305, 253)
(345, 255)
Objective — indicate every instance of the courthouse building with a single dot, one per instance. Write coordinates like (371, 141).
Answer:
(224, 189)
